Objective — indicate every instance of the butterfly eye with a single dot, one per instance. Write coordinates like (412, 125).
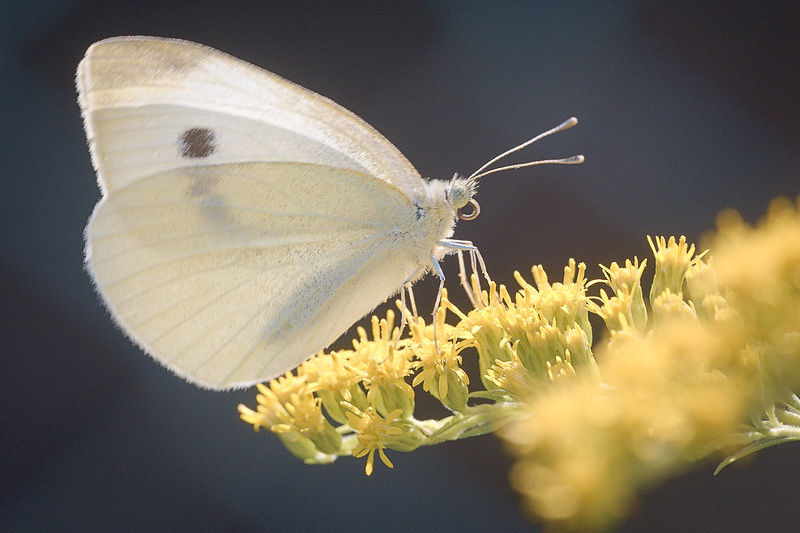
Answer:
(476, 210)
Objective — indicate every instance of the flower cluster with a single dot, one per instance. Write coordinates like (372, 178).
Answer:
(361, 401)
(720, 347)
(714, 346)
(669, 389)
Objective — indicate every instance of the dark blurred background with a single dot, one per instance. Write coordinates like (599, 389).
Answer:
(686, 107)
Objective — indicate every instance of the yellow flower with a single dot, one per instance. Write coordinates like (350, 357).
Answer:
(586, 447)
(703, 288)
(567, 473)
(628, 299)
(511, 375)
(668, 397)
(287, 407)
(540, 322)
(617, 311)
(563, 304)
(439, 363)
(628, 277)
(329, 376)
(673, 259)
(562, 369)
(270, 410)
(373, 432)
(760, 267)
(492, 324)
(670, 306)
(382, 368)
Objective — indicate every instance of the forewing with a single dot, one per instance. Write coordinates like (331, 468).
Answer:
(151, 105)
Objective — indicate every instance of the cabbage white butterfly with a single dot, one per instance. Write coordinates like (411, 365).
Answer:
(246, 222)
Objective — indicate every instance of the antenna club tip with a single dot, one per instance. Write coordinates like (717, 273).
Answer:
(567, 124)
(578, 159)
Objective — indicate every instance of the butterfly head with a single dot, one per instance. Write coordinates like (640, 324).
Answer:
(459, 193)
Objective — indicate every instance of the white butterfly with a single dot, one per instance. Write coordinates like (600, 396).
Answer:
(246, 222)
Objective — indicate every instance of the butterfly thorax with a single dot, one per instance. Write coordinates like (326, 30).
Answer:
(436, 216)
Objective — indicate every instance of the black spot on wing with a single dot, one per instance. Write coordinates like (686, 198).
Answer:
(197, 143)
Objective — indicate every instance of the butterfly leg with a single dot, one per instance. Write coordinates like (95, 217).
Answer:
(459, 246)
(410, 288)
(476, 262)
(403, 308)
(462, 275)
(439, 273)
(475, 256)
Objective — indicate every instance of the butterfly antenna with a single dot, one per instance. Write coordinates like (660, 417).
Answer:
(575, 159)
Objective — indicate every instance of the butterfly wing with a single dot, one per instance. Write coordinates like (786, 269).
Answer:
(153, 104)
(242, 227)
(232, 274)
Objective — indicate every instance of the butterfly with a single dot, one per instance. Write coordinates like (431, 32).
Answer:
(246, 222)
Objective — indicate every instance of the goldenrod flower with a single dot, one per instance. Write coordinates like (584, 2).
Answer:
(290, 410)
(330, 378)
(673, 259)
(760, 267)
(679, 390)
(586, 446)
(372, 431)
(669, 306)
(382, 367)
(627, 299)
(271, 409)
(563, 304)
(439, 360)
(493, 324)
(511, 376)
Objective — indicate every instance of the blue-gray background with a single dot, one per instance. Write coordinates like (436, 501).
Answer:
(686, 107)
